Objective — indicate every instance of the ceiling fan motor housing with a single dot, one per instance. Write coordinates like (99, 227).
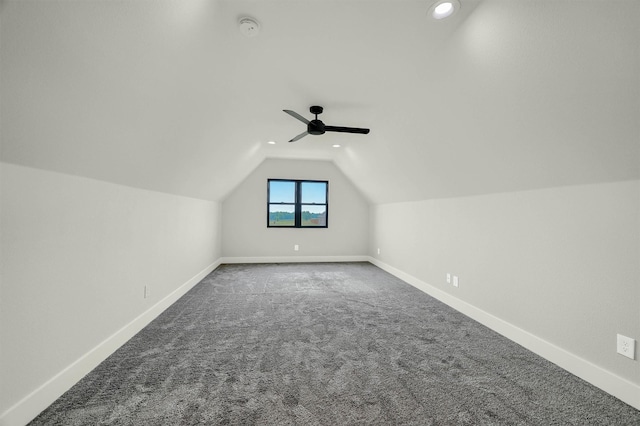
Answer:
(315, 127)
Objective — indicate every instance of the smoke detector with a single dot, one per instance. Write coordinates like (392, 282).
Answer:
(249, 27)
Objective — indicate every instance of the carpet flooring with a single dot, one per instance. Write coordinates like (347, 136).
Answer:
(325, 344)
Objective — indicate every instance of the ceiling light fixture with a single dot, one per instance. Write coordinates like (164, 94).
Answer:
(336, 146)
(271, 142)
(249, 27)
(444, 8)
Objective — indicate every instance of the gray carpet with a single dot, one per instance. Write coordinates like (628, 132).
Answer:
(325, 344)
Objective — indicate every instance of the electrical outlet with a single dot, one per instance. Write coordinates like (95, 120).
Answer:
(296, 247)
(448, 278)
(626, 346)
(147, 291)
(378, 250)
(456, 283)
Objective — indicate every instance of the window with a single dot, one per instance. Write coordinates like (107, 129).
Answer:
(297, 203)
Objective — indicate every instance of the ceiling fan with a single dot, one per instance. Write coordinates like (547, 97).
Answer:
(317, 127)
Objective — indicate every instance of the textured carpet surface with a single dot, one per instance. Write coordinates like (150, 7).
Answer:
(325, 344)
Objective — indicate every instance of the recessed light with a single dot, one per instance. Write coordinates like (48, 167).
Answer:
(271, 142)
(336, 146)
(444, 8)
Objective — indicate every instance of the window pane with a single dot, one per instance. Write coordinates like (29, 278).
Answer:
(281, 215)
(314, 215)
(314, 192)
(282, 191)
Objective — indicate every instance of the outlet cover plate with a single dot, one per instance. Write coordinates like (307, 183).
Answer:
(626, 346)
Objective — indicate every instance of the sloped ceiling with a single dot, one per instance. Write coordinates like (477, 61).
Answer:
(170, 96)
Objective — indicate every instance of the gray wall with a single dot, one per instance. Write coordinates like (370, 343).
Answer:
(561, 263)
(244, 215)
(76, 255)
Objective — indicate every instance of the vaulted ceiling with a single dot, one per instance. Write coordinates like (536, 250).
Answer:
(171, 96)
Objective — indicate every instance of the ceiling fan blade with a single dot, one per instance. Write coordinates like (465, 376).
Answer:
(300, 136)
(346, 129)
(296, 115)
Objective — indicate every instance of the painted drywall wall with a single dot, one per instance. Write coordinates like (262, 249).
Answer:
(562, 264)
(76, 255)
(244, 215)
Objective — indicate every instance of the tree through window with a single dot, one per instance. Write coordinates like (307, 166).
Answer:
(297, 203)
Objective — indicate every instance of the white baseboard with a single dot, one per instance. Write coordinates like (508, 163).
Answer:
(294, 259)
(611, 383)
(30, 406)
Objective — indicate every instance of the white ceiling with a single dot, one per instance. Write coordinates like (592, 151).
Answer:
(170, 96)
